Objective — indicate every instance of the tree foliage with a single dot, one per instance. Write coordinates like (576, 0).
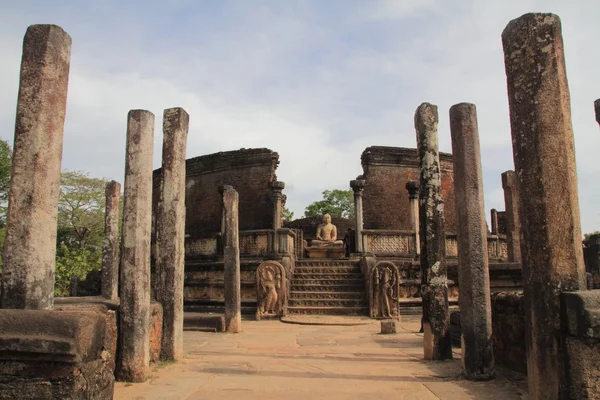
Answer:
(336, 202)
(80, 227)
(5, 166)
(287, 214)
(587, 236)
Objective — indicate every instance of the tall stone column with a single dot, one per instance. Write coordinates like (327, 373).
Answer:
(513, 224)
(134, 336)
(30, 244)
(544, 157)
(434, 288)
(170, 232)
(231, 260)
(597, 109)
(110, 248)
(473, 268)
(413, 198)
(494, 221)
(276, 189)
(358, 186)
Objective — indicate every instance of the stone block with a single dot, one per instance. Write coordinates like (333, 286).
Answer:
(54, 355)
(581, 313)
(388, 327)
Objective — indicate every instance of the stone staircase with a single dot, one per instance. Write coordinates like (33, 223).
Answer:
(327, 287)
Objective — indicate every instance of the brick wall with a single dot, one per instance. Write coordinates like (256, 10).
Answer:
(249, 171)
(386, 171)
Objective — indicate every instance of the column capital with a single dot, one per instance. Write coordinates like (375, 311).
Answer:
(276, 186)
(358, 185)
(413, 190)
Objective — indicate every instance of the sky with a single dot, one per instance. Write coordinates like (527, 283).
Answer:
(316, 81)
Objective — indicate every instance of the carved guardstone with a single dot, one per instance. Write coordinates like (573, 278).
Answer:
(271, 293)
(384, 288)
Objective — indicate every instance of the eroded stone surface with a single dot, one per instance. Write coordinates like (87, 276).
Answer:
(513, 223)
(434, 289)
(473, 268)
(110, 249)
(231, 259)
(170, 232)
(544, 158)
(134, 337)
(30, 244)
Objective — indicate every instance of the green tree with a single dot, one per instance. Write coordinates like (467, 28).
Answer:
(287, 214)
(336, 202)
(80, 227)
(5, 165)
(587, 236)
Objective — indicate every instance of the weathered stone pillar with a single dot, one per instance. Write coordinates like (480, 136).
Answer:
(170, 232)
(110, 248)
(30, 244)
(434, 288)
(597, 109)
(358, 186)
(276, 188)
(494, 221)
(473, 269)
(413, 198)
(513, 224)
(231, 260)
(134, 336)
(544, 157)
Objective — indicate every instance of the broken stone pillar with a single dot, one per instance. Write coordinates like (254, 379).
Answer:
(231, 260)
(544, 157)
(473, 268)
(276, 189)
(494, 219)
(413, 198)
(434, 288)
(358, 186)
(170, 232)
(513, 224)
(110, 248)
(30, 244)
(597, 109)
(134, 336)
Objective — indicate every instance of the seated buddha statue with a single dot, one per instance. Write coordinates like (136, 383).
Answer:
(326, 234)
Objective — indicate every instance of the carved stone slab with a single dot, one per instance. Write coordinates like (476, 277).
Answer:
(384, 291)
(271, 290)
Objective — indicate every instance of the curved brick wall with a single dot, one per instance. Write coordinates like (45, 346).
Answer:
(386, 171)
(249, 171)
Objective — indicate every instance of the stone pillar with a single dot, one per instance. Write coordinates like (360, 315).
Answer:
(434, 288)
(544, 157)
(597, 109)
(513, 224)
(494, 221)
(413, 198)
(134, 336)
(276, 188)
(30, 244)
(170, 232)
(231, 260)
(358, 186)
(473, 268)
(110, 248)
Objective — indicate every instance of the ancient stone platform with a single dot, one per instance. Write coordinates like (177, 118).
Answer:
(327, 287)
(273, 360)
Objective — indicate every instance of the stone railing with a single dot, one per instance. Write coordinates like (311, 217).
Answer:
(389, 243)
(254, 243)
(397, 243)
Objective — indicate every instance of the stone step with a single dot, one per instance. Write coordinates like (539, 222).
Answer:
(340, 287)
(329, 310)
(317, 270)
(327, 275)
(295, 295)
(343, 303)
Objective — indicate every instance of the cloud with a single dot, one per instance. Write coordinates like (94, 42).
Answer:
(317, 82)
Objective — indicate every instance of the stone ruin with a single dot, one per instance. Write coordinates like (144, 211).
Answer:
(232, 254)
